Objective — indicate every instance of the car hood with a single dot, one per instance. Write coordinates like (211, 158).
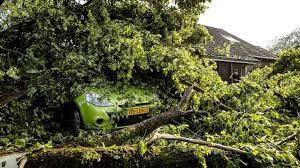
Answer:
(125, 95)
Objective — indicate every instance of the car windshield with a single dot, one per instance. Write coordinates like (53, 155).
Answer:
(97, 100)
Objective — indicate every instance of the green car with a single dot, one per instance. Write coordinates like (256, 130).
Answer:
(109, 108)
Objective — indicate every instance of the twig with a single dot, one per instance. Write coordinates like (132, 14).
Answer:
(186, 128)
(276, 146)
(185, 98)
(196, 112)
(4, 100)
(157, 136)
(224, 106)
(238, 122)
(296, 133)
(198, 89)
(10, 50)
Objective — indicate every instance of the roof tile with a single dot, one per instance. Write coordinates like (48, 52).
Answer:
(242, 49)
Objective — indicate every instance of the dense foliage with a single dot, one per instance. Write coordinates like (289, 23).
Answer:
(54, 49)
(291, 40)
(289, 60)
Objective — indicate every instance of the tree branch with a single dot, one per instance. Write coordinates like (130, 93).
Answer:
(10, 50)
(147, 126)
(157, 136)
(23, 162)
(296, 133)
(198, 89)
(185, 98)
(120, 136)
(5, 99)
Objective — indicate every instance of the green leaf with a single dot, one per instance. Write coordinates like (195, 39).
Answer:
(31, 91)
(255, 152)
(20, 143)
(2, 74)
(142, 147)
(12, 72)
(5, 141)
(223, 132)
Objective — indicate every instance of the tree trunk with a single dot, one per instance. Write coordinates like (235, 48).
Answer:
(118, 156)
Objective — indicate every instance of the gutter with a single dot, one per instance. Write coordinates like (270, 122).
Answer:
(262, 57)
(224, 59)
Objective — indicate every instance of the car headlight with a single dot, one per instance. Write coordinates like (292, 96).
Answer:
(97, 100)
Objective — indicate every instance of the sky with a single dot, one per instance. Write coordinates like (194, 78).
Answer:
(256, 21)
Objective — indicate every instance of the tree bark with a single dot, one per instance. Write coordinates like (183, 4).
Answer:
(111, 157)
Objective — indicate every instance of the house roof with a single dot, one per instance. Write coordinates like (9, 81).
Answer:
(240, 50)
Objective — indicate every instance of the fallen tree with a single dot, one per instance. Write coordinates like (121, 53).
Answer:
(147, 126)
(118, 156)
(158, 136)
(72, 155)
(58, 48)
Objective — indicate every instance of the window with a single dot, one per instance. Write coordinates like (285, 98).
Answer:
(231, 39)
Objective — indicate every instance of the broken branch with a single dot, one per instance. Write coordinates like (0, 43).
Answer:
(147, 126)
(296, 133)
(23, 162)
(157, 136)
(10, 50)
(198, 89)
(185, 98)
(144, 127)
(5, 99)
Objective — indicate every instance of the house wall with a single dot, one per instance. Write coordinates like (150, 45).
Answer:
(225, 69)
(250, 68)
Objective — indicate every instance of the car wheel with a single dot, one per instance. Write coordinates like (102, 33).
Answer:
(75, 121)
(71, 119)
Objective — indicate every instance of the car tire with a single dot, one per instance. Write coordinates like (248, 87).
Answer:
(75, 121)
(71, 119)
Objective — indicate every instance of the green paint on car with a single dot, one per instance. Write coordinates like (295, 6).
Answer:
(98, 106)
